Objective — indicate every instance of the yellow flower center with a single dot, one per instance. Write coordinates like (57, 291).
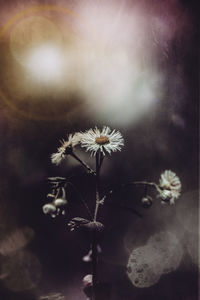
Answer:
(102, 140)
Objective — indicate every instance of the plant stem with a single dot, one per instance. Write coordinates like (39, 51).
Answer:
(146, 183)
(94, 266)
(99, 161)
(83, 163)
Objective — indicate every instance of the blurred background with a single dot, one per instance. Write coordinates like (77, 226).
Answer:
(67, 66)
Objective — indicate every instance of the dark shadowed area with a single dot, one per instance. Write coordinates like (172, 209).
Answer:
(68, 66)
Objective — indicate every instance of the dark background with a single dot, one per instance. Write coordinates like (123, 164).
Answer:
(158, 141)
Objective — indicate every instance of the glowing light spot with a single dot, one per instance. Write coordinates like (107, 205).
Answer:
(30, 33)
(46, 63)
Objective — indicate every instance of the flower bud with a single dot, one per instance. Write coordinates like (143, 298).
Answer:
(59, 202)
(87, 280)
(88, 257)
(87, 286)
(49, 208)
(147, 201)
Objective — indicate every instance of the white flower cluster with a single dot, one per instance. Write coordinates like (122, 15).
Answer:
(93, 140)
(169, 187)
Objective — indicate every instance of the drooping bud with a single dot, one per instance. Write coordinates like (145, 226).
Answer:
(61, 201)
(88, 257)
(87, 280)
(87, 285)
(147, 201)
(49, 208)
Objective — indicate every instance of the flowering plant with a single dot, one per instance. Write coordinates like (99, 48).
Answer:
(99, 143)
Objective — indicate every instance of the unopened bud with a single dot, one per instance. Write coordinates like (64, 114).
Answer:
(87, 286)
(87, 281)
(88, 257)
(147, 201)
(59, 202)
(49, 208)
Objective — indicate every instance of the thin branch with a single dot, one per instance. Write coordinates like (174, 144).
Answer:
(94, 265)
(132, 183)
(83, 163)
(99, 161)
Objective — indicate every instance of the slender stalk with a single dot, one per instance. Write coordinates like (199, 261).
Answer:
(83, 163)
(143, 183)
(94, 266)
(98, 166)
(146, 183)
(99, 161)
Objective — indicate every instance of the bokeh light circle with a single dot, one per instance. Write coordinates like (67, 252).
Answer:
(24, 24)
(143, 268)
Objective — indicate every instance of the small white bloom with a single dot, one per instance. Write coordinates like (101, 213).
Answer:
(104, 141)
(169, 187)
(65, 148)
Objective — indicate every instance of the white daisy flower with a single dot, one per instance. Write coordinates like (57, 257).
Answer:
(104, 141)
(169, 187)
(65, 148)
